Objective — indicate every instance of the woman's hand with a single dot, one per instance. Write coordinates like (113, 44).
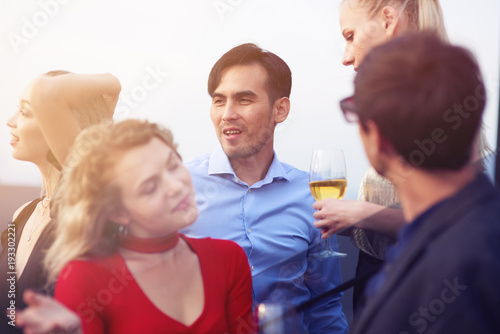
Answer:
(335, 216)
(46, 315)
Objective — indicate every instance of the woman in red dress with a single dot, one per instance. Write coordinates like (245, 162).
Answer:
(119, 260)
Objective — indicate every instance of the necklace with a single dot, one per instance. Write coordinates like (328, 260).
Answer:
(34, 227)
(148, 245)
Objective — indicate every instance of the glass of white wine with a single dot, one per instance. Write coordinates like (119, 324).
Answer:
(328, 179)
(277, 319)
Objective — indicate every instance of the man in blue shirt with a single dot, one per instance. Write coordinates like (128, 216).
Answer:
(247, 195)
(419, 103)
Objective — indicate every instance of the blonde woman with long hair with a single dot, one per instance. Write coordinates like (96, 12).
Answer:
(364, 25)
(53, 109)
(367, 23)
(118, 259)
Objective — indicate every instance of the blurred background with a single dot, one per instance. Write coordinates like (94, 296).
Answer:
(162, 52)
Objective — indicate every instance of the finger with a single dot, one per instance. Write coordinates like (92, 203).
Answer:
(318, 215)
(327, 233)
(31, 322)
(22, 318)
(32, 298)
(320, 224)
(330, 228)
(324, 233)
(318, 205)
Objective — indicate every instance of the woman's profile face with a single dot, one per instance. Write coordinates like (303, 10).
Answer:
(27, 139)
(156, 190)
(360, 32)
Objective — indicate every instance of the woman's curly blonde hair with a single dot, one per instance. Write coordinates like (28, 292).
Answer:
(87, 194)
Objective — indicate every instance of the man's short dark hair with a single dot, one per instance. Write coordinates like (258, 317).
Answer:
(427, 98)
(279, 81)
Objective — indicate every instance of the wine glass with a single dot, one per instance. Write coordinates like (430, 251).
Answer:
(277, 319)
(328, 179)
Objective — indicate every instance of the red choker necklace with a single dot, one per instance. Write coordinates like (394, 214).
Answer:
(149, 245)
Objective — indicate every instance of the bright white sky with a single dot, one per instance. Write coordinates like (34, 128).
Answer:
(180, 40)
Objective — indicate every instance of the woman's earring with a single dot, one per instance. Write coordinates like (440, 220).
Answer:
(122, 230)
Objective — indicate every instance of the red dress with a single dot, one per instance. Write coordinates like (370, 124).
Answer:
(109, 300)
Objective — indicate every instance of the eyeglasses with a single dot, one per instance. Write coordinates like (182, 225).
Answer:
(349, 109)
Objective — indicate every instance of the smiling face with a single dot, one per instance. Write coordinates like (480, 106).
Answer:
(243, 117)
(27, 140)
(157, 194)
(361, 32)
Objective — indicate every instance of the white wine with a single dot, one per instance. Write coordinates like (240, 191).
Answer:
(328, 189)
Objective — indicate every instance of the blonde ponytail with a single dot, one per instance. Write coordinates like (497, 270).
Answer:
(430, 17)
(420, 14)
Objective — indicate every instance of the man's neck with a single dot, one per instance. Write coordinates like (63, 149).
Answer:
(423, 189)
(252, 169)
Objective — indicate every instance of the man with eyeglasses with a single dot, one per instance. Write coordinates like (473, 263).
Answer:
(419, 103)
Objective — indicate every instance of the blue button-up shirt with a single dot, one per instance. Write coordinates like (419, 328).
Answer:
(272, 222)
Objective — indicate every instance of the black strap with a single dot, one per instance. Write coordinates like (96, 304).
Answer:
(290, 311)
(19, 222)
(342, 287)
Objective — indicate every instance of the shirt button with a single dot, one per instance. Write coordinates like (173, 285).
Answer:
(249, 231)
(235, 180)
(252, 267)
(249, 190)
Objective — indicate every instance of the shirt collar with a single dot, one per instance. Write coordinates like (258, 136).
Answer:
(407, 232)
(219, 164)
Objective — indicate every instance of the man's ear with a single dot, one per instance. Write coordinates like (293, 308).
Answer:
(375, 142)
(282, 108)
(119, 216)
(391, 18)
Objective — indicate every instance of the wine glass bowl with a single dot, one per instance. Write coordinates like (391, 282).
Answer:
(328, 179)
(328, 189)
(277, 319)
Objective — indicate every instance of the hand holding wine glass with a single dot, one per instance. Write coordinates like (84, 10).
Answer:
(328, 179)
